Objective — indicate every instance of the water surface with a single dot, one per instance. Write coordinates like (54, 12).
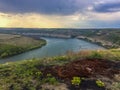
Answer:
(54, 47)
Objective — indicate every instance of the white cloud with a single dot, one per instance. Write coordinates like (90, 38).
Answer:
(34, 20)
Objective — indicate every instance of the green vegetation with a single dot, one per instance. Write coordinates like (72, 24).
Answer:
(9, 50)
(100, 83)
(96, 55)
(50, 80)
(76, 81)
(17, 44)
(23, 75)
(27, 75)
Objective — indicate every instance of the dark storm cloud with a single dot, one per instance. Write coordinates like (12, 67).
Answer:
(41, 6)
(107, 7)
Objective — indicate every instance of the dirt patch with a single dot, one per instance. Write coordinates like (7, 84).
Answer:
(89, 69)
(85, 68)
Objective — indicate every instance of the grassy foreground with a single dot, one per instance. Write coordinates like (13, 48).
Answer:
(40, 74)
(15, 44)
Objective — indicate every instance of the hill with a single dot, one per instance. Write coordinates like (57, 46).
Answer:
(94, 70)
(109, 38)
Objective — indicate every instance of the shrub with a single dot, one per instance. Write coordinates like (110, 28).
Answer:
(49, 75)
(39, 73)
(76, 81)
(50, 80)
(100, 83)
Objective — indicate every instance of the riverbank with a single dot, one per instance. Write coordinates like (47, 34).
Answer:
(95, 70)
(103, 43)
(15, 44)
(54, 47)
(108, 44)
(108, 38)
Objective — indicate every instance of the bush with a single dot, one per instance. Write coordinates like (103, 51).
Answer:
(100, 83)
(50, 80)
(76, 81)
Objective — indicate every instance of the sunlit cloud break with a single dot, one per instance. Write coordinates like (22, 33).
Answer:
(27, 20)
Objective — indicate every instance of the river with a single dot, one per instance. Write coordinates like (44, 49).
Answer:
(54, 47)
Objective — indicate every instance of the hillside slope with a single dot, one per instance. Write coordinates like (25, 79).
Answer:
(94, 70)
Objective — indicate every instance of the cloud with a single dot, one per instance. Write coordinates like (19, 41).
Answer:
(107, 6)
(35, 20)
(63, 7)
(28, 20)
(59, 13)
(105, 17)
(103, 24)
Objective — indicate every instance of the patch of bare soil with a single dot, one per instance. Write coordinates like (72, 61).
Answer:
(85, 68)
(91, 69)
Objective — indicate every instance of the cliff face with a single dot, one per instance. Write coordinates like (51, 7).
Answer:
(105, 43)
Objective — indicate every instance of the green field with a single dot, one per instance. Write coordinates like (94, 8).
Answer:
(15, 44)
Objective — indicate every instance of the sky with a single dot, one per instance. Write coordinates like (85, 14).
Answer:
(60, 13)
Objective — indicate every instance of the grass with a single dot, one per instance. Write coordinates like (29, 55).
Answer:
(25, 75)
(17, 44)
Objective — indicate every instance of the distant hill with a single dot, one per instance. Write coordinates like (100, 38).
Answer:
(109, 38)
